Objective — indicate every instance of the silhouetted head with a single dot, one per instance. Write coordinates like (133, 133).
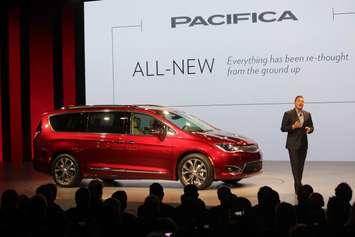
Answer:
(122, 197)
(231, 202)
(191, 191)
(110, 211)
(95, 189)
(46, 191)
(303, 193)
(152, 200)
(275, 197)
(223, 192)
(244, 204)
(316, 200)
(82, 197)
(344, 192)
(264, 195)
(9, 199)
(150, 208)
(54, 189)
(157, 190)
(37, 207)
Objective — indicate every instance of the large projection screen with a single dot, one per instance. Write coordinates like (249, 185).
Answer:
(236, 64)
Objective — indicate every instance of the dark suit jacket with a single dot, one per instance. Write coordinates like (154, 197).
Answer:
(296, 138)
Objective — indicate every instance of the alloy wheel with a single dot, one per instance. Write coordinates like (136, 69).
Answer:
(65, 171)
(194, 171)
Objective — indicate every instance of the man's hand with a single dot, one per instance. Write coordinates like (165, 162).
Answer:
(307, 129)
(297, 124)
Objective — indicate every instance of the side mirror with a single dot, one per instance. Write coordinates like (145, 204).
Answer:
(163, 132)
(160, 132)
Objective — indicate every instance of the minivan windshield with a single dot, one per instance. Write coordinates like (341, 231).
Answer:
(186, 121)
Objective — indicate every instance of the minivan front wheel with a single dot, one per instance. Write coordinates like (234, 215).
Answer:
(195, 169)
(65, 171)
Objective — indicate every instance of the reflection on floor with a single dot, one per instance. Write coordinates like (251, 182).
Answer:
(323, 176)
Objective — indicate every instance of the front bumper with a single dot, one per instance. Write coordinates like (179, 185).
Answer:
(239, 165)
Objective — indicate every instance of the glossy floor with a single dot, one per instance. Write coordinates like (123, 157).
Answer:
(323, 176)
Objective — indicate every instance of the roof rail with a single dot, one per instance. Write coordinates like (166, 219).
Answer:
(146, 106)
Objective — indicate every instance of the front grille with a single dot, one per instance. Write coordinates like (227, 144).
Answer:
(252, 167)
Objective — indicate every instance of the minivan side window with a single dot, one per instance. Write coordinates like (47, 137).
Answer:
(109, 122)
(143, 124)
(69, 122)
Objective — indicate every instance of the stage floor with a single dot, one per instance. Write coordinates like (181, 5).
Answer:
(323, 176)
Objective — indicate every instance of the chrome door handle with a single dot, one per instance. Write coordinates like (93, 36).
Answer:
(130, 142)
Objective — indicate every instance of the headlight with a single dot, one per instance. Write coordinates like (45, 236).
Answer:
(228, 147)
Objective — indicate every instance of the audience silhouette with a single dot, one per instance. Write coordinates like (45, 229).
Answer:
(93, 216)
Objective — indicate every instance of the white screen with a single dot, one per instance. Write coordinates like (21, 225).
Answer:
(237, 65)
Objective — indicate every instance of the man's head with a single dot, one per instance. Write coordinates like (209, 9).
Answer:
(82, 197)
(95, 188)
(121, 196)
(303, 193)
(223, 192)
(54, 189)
(299, 102)
(191, 191)
(46, 191)
(344, 192)
(157, 190)
(9, 199)
(264, 195)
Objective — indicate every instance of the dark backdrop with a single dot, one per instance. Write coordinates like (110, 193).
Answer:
(41, 67)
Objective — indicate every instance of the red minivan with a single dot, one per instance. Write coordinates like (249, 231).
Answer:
(139, 142)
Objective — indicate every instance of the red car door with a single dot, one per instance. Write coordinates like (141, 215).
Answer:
(107, 133)
(147, 156)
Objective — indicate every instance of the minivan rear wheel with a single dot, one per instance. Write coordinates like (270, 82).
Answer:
(195, 169)
(65, 171)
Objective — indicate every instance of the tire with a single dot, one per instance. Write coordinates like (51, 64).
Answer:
(232, 181)
(195, 169)
(66, 171)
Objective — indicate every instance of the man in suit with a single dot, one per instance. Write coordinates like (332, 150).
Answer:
(297, 123)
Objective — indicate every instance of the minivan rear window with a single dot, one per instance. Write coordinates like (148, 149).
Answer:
(71, 122)
(109, 122)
